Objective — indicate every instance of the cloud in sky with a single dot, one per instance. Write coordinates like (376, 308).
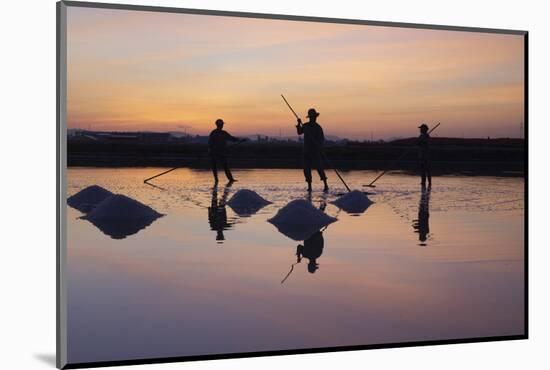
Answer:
(134, 70)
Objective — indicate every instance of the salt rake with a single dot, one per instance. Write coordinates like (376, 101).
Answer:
(371, 185)
(160, 174)
(146, 181)
(324, 155)
(290, 272)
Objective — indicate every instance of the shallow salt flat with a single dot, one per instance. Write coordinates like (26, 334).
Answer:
(193, 188)
(452, 193)
(202, 271)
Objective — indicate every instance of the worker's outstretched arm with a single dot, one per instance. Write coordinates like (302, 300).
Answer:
(231, 137)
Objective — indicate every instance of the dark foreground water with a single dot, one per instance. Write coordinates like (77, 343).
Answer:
(414, 266)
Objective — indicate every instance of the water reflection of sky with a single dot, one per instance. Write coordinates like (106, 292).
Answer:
(174, 289)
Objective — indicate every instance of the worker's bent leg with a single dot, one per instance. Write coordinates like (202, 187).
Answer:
(214, 167)
(423, 172)
(228, 174)
(307, 169)
(319, 165)
(321, 169)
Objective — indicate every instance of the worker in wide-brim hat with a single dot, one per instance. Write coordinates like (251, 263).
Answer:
(314, 140)
(423, 143)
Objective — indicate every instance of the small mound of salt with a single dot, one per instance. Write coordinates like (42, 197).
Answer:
(299, 219)
(87, 199)
(354, 202)
(247, 202)
(119, 216)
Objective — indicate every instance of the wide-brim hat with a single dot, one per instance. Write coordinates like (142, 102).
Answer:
(312, 113)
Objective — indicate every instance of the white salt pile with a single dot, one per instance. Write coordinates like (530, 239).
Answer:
(87, 199)
(247, 202)
(354, 202)
(299, 219)
(119, 216)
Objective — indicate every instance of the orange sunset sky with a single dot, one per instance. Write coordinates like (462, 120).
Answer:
(147, 71)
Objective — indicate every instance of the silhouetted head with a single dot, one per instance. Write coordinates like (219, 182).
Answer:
(312, 114)
(219, 123)
(312, 266)
(423, 128)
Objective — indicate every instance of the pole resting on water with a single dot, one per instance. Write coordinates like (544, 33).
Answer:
(160, 174)
(371, 185)
(173, 169)
(324, 155)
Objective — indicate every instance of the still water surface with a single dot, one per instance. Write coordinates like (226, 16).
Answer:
(415, 266)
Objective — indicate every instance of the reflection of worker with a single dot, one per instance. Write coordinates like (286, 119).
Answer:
(312, 249)
(422, 224)
(217, 214)
(314, 140)
(424, 155)
(322, 201)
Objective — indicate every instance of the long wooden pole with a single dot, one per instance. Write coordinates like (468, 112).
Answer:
(175, 168)
(160, 174)
(336, 171)
(289, 106)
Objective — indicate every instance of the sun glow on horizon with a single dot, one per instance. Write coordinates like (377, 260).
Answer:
(147, 71)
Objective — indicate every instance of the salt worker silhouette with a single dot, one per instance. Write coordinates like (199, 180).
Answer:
(217, 214)
(423, 143)
(422, 224)
(314, 140)
(217, 144)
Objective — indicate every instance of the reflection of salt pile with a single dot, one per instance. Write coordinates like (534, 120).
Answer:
(299, 219)
(87, 199)
(354, 202)
(247, 202)
(119, 216)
